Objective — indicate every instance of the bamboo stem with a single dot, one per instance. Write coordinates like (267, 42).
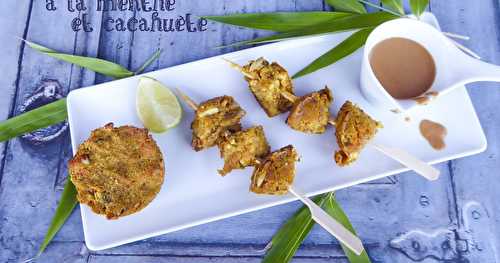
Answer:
(457, 36)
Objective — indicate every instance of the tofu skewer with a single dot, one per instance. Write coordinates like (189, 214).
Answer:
(399, 155)
(239, 148)
(214, 120)
(346, 157)
(282, 164)
(267, 81)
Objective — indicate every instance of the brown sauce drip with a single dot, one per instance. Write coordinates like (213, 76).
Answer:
(403, 67)
(434, 133)
(422, 100)
(426, 98)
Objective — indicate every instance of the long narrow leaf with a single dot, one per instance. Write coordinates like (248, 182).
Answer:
(379, 7)
(148, 62)
(395, 5)
(66, 205)
(98, 65)
(54, 112)
(345, 48)
(287, 240)
(280, 21)
(333, 209)
(352, 6)
(339, 25)
(33, 120)
(418, 6)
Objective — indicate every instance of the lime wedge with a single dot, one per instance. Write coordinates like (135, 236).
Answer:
(157, 106)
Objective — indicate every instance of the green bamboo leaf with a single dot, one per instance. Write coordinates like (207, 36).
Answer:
(395, 5)
(418, 6)
(345, 48)
(287, 240)
(333, 209)
(280, 21)
(48, 114)
(66, 205)
(352, 6)
(98, 65)
(148, 62)
(343, 24)
(33, 120)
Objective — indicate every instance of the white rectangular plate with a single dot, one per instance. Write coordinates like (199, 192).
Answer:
(193, 192)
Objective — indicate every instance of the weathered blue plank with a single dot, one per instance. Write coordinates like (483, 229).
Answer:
(400, 220)
(28, 194)
(11, 54)
(476, 179)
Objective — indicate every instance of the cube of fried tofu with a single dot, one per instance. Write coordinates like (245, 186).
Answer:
(275, 174)
(267, 83)
(243, 149)
(354, 129)
(214, 120)
(310, 113)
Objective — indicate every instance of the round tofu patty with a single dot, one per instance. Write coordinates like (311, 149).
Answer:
(117, 171)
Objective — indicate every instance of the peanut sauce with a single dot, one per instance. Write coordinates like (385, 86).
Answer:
(434, 133)
(403, 67)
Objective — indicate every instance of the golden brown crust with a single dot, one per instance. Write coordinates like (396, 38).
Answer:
(354, 129)
(275, 173)
(214, 120)
(117, 171)
(267, 84)
(310, 113)
(243, 148)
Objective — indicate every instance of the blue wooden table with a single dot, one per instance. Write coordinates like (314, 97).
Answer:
(400, 219)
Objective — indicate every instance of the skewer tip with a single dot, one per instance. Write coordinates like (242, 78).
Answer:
(238, 68)
(233, 64)
(187, 99)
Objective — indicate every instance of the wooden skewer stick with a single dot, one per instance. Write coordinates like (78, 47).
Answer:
(327, 222)
(193, 105)
(320, 216)
(239, 68)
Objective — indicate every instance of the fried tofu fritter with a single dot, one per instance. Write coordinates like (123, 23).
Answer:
(311, 112)
(354, 129)
(117, 171)
(267, 84)
(243, 148)
(214, 120)
(275, 173)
